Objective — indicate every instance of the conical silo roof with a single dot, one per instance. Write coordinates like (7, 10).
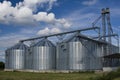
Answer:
(20, 46)
(44, 42)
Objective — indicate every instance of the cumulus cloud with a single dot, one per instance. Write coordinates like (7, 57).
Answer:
(10, 39)
(34, 3)
(24, 13)
(47, 31)
(89, 2)
(43, 16)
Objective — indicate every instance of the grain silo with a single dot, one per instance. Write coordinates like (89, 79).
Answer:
(7, 59)
(29, 57)
(43, 55)
(79, 54)
(15, 57)
(28, 60)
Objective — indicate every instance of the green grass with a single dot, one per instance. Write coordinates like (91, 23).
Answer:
(59, 76)
(45, 76)
(113, 75)
(117, 79)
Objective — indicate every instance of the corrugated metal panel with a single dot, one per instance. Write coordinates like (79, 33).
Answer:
(80, 55)
(43, 55)
(28, 59)
(15, 56)
(111, 62)
(62, 62)
(6, 60)
(17, 59)
(113, 49)
(76, 56)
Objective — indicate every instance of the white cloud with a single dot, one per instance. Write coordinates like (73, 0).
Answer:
(55, 30)
(10, 39)
(23, 13)
(89, 2)
(51, 2)
(64, 22)
(80, 19)
(47, 31)
(43, 16)
(34, 3)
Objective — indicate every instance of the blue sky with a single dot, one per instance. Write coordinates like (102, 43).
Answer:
(16, 22)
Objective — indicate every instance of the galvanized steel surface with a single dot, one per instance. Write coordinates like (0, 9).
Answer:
(76, 56)
(7, 59)
(15, 56)
(62, 62)
(79, 54)
(28, 59)
(43, 55)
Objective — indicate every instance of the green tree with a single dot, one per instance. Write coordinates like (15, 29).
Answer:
(2, 65)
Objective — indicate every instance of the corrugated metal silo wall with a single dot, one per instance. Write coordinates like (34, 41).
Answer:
(43, 58)
(16, 59)
(113, 49)
(6, 60)
(113, 62)
(15, 56)
(76, 56)
(96, 52)
(62, 56)
(28, 59)
(84, 55)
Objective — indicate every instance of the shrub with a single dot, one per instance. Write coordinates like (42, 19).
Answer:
(2, 65)
(109, 76)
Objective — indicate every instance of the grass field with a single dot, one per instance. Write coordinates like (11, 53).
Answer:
(45, 76)
(58, 76)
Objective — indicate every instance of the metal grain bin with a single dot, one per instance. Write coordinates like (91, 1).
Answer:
(28, 60)
(15, 57)
(6, 60)
(76, 56)
(79, 54)
(62, 56)
(29, 57)
(43, 55)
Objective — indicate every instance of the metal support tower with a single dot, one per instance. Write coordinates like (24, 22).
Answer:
(103, 24)
(107, 29)
(94, 23)
(104, 30)
(112, 35)
(109, 50)
(109, 24)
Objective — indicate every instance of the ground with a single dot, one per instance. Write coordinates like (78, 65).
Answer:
(44, 76)
(58, 76)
